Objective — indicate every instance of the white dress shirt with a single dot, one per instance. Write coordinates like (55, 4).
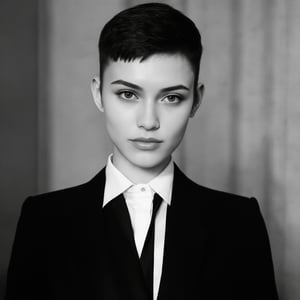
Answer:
(139, 198)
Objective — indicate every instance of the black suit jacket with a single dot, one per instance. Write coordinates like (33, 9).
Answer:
(216, 247)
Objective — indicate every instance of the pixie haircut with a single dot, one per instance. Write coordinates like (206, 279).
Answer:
(147, 29)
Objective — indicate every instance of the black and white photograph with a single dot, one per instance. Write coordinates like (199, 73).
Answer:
(150, 150)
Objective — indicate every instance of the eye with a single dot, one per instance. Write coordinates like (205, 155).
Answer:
(172, 99)
(127, 95)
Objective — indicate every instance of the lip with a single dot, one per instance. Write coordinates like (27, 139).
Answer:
(146, 140)
(146, 144)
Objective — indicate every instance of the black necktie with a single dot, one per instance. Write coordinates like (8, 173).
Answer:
(147, 256)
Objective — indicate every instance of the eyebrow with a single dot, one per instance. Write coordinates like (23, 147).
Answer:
(136, 87)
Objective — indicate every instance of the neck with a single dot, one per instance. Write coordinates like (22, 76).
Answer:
(137, 174)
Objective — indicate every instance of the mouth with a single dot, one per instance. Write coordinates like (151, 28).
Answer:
(146, 144)
(146, 140)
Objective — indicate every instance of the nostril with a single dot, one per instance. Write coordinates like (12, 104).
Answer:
(149, 125)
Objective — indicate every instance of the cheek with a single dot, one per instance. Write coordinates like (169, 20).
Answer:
(117, 122)
(176, 124)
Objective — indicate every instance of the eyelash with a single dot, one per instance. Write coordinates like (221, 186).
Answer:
(121, 95)
(179, 98)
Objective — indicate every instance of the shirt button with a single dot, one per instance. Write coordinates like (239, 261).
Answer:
(143, 189)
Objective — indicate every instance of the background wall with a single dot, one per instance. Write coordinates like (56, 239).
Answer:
(18, 116)
(245, 138)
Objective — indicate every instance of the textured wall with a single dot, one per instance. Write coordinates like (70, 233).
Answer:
(246, 136)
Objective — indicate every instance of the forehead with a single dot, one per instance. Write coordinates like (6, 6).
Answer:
(157, 70)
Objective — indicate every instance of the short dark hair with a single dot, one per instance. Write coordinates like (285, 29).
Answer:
(148, 29)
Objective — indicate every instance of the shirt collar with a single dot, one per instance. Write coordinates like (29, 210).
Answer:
(162, 184)
(116, 183)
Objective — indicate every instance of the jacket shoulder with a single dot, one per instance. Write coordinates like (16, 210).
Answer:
(187, 185)
(67, 199)
(213, 200)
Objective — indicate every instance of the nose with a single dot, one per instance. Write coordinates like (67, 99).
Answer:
(147, 116)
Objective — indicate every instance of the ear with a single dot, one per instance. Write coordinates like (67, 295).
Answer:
(96, 92)
(199, 91)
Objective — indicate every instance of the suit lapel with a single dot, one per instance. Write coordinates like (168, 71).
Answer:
(123, 253)
(185, 240)
(104, 249)
(117, 220)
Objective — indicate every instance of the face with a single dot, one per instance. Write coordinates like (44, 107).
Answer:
(147, 106)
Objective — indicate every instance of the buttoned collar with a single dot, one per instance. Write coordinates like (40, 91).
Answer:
(116, 183)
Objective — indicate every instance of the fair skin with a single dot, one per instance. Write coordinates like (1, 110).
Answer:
(147, 106)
